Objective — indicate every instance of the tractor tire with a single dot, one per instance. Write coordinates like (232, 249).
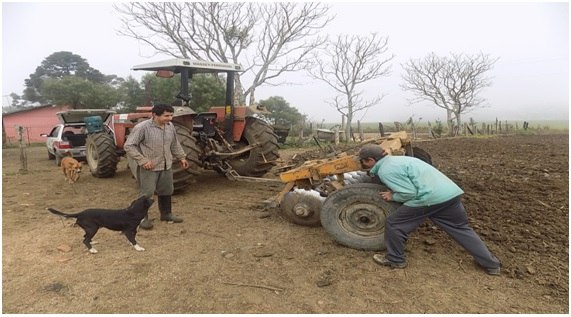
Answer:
(355, 215)
(418, 153)
(302, 207)
(101, 155)
(259, 161)
(183, 177)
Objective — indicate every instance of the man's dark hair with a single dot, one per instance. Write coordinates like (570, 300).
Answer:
(161, 108)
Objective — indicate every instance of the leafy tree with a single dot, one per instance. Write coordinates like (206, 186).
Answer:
(207, 91)
(131, 95)
(57, 66)
(78, 93)
(280, 112)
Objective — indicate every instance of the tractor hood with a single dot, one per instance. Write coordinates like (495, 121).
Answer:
(77, 116)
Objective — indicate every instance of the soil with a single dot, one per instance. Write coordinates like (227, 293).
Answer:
(233, 255)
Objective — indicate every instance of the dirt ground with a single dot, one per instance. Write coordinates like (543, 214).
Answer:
(231, 255)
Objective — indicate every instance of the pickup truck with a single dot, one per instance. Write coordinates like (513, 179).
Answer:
(70, 134)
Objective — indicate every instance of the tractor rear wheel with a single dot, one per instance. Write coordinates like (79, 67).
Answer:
(260, 160)
(101, 155)
(182, 177)
(355, 216)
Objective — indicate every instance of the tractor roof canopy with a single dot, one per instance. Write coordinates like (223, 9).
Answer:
(176, 65)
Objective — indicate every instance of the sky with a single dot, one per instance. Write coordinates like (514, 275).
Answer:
(530, 80)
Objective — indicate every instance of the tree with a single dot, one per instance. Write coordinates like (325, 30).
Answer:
(280, 112)
(452, 83)
(206, 90)
(57, 66)
(79, 93)
(346, 64)
(268, 39)
(131, 95)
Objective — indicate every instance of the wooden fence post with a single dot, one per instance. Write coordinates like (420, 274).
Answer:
(23, 154)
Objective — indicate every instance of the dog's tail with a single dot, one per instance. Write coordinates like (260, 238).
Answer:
(59, 213)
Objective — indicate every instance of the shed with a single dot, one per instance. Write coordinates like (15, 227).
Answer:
(35, 121)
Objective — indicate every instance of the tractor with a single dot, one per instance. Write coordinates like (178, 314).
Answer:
(229, 139)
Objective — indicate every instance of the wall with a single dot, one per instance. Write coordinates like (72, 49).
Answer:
(35, 121)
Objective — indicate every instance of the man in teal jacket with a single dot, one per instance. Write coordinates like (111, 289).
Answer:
(425, 193)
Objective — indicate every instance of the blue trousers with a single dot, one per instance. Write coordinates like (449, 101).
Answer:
(450, 216)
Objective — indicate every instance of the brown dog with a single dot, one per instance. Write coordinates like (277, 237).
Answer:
(71, 169)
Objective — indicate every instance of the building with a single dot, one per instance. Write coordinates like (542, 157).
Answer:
(34, 120)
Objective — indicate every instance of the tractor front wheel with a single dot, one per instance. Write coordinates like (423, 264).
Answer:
(101, 155)
(355, 216)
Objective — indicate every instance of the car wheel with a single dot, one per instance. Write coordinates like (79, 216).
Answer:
(51, 156)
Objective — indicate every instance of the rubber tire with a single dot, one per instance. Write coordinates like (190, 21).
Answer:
(51, 156)
(418, 153)
(183, 177)
(307, 201)
(101, 155)
(260, 160)
(355, 216)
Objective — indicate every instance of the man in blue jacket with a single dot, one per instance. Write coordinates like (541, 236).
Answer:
(425, 193)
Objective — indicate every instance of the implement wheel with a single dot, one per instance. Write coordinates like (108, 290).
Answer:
(355, 216)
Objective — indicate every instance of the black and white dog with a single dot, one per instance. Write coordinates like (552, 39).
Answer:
(124, 220)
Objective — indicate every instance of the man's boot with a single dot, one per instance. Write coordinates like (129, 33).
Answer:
(165, 207)
(146, 223)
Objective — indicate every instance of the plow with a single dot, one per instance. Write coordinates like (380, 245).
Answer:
(338, 195)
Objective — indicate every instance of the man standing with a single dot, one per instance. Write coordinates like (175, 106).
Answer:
(425, 193)
(153, 144)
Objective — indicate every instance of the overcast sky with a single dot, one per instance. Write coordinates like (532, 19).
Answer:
(531, 39)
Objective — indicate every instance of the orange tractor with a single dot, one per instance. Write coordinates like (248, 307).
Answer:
(229, 139)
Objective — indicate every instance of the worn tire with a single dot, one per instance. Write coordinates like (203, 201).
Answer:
(355, 216)
(183, 177)
(418, 153)
(101, 155)
(259, 161)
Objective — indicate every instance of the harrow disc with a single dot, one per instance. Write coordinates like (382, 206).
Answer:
(302, 207)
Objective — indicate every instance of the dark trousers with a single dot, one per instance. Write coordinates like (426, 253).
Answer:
(450, 216)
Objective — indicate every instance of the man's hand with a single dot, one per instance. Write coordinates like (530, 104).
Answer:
(387, 196)
(184, 163)
(149, 165)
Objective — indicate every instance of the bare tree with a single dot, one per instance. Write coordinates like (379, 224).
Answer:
(268, 39)
(347, 63)
(452, 83)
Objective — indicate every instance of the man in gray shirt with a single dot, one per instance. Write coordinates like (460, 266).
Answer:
(153, 145)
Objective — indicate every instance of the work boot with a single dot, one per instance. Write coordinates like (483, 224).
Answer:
(146, 224)
(165, 208)
(380, 259)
